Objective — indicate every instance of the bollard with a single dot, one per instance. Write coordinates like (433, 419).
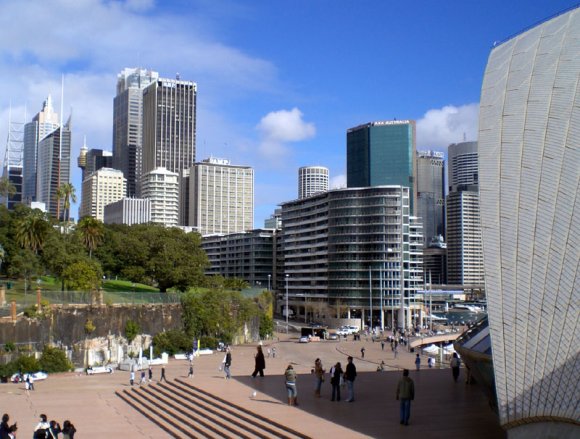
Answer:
(13, 310)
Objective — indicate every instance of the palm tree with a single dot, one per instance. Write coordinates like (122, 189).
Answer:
(66, 192)
(7, 189)
(32, 230)
(92, 232)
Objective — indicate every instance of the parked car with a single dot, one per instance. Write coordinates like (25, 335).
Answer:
(304, 339)
(333, 336)
(36, 376)
(99, 369)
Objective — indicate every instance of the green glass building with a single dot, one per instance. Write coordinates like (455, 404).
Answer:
(382, 153)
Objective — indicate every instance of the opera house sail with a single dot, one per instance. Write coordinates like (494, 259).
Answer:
(529, 168)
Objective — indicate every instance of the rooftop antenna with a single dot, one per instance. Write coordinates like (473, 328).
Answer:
(464, 137)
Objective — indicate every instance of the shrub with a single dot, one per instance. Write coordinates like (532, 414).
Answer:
(172, 342)
(26, 364)
(208, 342)
(9, 346)
(132, 329)
(266, 325)
(54, 360)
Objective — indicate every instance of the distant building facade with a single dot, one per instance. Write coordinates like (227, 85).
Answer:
(91, 160)
(128, 124)
(382, 153)
(53, 167)
(312, 180)
(169, 125)
(221, 197)
(431, 194)
(464, 242)
(337, 243)
(128, 211)
(246, 255)
(44, 123)
(161, 188)
(102, 187)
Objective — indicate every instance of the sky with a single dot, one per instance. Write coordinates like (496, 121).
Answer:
(279, 82)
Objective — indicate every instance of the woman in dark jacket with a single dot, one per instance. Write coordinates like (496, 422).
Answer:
(260, 363)
(335, 374)
(6, 430)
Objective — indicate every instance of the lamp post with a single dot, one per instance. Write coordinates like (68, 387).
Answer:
(287, 310)
(269, 277)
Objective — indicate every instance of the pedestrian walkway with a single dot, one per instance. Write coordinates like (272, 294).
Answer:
(442, 408)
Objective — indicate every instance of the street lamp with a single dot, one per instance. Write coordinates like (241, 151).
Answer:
(269, 277)
(287, 310)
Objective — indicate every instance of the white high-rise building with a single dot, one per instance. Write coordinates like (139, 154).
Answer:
(312, 180)
(44, 123)
(221, 197)
(128, 211)
(102, 187)
(161, 187)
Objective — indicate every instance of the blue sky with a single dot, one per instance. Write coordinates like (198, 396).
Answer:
(279, 83)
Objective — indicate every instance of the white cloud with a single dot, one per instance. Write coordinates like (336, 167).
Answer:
(278, 128)
(338, 182)
(440, 127)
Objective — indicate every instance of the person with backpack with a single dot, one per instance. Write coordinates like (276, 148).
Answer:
(68, 430)
(54, 430)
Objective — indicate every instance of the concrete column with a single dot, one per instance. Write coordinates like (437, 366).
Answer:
(13, 310)
(2, 295)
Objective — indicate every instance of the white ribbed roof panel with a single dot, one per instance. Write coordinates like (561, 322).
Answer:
(529, 160)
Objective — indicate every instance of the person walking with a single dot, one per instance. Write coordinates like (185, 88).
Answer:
(143, 380)
(362, 352)
(431, 362)
(319, 376)
(68, 430)
(150, 374)
(290, 377)
(190, 371)
(163, 377)
(227, 363)
(335, 375)
(455, 363)
(418, 362)
(274, 352)
(260, 363)
(405, 394)
(54, 430)
(132, 377)
(349, 377)
(382, 345)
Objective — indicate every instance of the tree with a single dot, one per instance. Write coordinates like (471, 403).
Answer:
(236, 283)
(7, 189)
(91, 232)
(59, 252)
(132, 329)
(2, 256)
(32, 230)
(54, 360)
(24, 264)
(84, 275)
(67, 193)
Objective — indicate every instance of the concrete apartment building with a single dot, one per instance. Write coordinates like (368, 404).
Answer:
(161, 188)
(102, 187)
(128, 211)
(312, 180)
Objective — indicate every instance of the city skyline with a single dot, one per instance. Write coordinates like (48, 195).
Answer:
(270, 97)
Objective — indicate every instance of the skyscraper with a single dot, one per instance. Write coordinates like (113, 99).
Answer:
(382, 153)
(464, 245)
(312, 180)
(529, 147)
(431, 194)
(53, 167)
(44, 123)
(100, 188)
(221, 197)
(128, 124)
(169, 123)
(91, 160)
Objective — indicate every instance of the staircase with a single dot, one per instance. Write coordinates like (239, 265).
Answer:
(185, 411)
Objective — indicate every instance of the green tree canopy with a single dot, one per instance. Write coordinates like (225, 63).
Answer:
(91, 232)
(83, 275)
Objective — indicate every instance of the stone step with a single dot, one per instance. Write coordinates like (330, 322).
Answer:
(152, 413)
(269, 427)
(253, 427)
(197, 409)
(188, 421)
